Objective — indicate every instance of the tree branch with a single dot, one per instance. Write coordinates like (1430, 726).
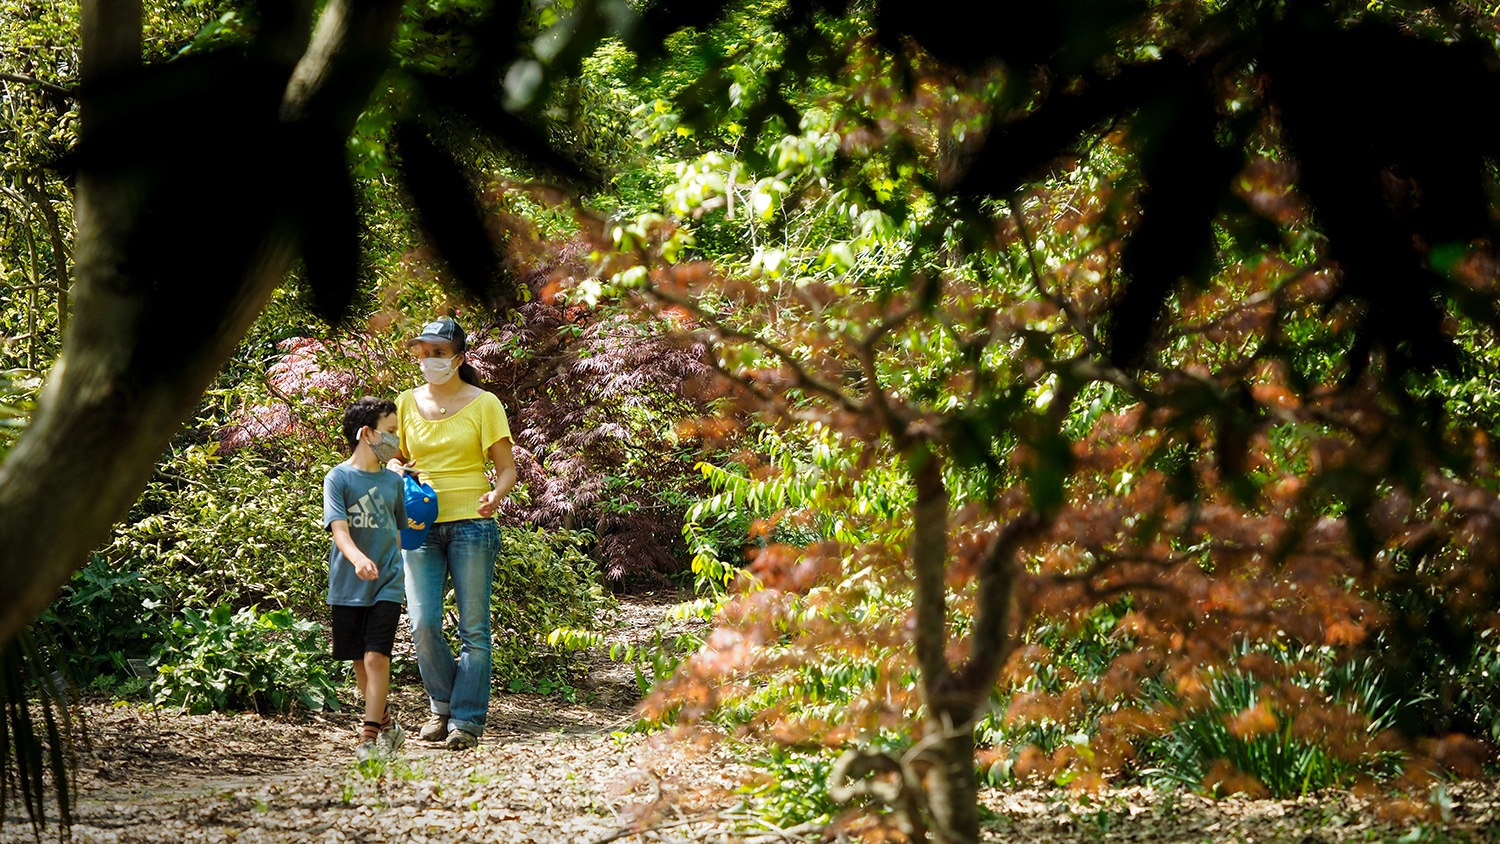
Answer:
(43, 204)
(1058, 301)
(55, 90)
(886, 414)
(790, 361)
(350, 48)
(992, 616)
(112, 403)
(848, 780)
(929, 557)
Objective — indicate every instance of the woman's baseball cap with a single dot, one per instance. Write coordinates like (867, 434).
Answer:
(441, 330)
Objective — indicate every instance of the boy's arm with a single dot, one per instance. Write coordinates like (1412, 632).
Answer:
(364, 567)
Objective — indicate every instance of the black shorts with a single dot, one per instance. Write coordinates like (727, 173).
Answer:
(360, 630)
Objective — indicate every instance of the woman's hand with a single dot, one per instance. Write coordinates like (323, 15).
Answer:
(395, 465)
(489, 503)
(505, 478)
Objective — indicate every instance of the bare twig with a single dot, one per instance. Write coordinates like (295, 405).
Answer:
(56, 90)
(643, 831)
(895, 423)
(800, 832)
(847, 781)
(717, 327)
(1250, 302)
(1059, 301)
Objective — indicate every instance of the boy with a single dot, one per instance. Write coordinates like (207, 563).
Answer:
(363, 508)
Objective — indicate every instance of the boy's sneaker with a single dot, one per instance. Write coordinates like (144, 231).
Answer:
(392, 738)
(436, 728)
(367, 750)
(461, 740)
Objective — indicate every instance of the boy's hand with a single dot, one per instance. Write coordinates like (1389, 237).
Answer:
(365, 568)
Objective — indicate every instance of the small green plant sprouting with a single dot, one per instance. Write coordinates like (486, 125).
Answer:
(373, 768)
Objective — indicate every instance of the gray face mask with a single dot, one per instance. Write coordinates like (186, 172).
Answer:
(388, 447)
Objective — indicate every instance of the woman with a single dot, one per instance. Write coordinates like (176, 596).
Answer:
(448, 428)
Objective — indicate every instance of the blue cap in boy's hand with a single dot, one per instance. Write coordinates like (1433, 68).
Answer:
(421, 512)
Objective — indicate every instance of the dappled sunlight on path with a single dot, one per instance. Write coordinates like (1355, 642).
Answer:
(562, 778)
(555, 772)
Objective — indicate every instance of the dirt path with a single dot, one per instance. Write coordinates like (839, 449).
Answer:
(546, 773)
(556, 773)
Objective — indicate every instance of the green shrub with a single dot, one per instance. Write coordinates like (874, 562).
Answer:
(1449, 687)
(1198, 735)
(1478, 697)
(239, 529)
(103, 617)
(244, 660)
(658, 657)
(543, 582)
(796, 788)
(1078, 650)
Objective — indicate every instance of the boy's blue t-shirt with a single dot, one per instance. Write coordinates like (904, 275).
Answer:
(373, 505)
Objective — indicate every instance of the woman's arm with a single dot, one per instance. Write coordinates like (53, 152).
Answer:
(505, 478)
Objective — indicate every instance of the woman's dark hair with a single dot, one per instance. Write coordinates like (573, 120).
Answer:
(469, 374)
(364, 413)
(466, 372)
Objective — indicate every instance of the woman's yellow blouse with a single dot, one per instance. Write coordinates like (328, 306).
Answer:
(450, 453)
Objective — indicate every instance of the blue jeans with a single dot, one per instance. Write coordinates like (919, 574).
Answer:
(466, 550)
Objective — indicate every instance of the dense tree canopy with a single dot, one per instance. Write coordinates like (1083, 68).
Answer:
(1083, 376)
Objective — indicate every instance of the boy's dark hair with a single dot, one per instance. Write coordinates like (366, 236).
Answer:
(364, 412)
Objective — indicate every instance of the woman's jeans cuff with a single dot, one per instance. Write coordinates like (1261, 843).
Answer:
(467, 726)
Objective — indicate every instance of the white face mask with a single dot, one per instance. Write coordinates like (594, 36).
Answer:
(438, 370)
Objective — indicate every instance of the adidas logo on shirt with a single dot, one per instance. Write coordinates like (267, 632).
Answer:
(371, 511)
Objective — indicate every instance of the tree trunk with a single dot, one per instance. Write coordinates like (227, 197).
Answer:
(950, 787)
(166, 285)
(954, 697)
(995, 592)
(951, 784)
(110, 36)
